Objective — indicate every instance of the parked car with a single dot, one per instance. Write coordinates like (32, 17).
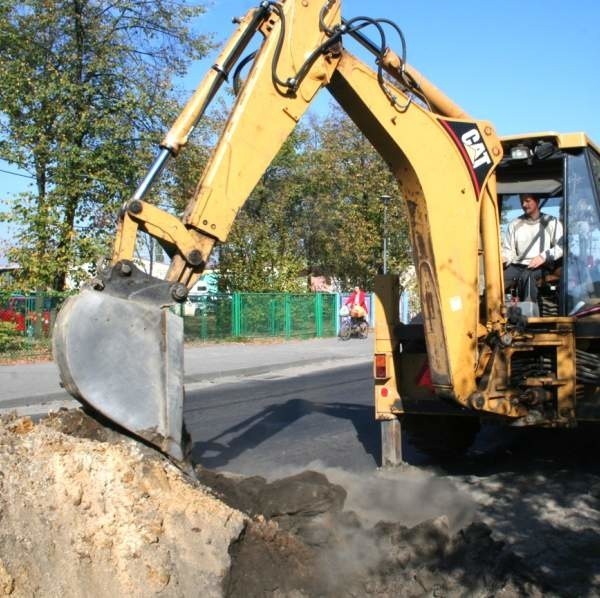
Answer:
(20, 310)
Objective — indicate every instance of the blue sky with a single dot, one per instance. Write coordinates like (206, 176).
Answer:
(524, 65)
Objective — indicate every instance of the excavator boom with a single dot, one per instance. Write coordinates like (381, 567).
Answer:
(118, 347)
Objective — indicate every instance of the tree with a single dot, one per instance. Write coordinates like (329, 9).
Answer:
(342, 211)
(264, 249)
(84, 87)
(317, 209)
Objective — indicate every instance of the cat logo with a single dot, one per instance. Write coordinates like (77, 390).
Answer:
(476, 149)
(469, 142)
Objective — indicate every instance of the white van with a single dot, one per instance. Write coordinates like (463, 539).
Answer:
(198, 290)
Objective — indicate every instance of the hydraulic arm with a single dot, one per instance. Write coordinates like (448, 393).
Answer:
(119, 348)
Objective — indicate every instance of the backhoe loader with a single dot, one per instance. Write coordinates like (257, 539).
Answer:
(470, 355)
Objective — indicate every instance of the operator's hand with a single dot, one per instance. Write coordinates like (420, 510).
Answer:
(536, 262)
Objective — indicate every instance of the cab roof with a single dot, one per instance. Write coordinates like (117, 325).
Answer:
(562, 140)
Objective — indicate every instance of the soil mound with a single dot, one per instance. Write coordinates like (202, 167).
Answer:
(86, 511)
(301, 542)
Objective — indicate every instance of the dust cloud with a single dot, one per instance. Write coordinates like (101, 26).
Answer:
(405, 495)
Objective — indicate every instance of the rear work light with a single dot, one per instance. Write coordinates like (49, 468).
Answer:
(381, 365)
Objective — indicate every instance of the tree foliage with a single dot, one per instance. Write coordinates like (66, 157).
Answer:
(343, 215)
(87, 91)
(318, 210)
(84, 88)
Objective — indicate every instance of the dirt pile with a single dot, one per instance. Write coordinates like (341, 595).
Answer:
(86, 511)
(97, 516)
(301, 542)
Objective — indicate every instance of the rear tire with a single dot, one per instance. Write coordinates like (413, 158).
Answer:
(443, 437)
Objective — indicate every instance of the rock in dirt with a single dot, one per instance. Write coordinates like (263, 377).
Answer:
(305, 544)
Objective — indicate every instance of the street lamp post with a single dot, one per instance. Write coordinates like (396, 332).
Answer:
(385, 199)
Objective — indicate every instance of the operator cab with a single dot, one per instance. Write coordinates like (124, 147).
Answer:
(564, 170)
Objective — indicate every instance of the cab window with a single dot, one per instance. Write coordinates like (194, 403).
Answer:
(511, 208)
(583, 232)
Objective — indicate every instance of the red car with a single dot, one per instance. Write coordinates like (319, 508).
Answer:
(17, 311)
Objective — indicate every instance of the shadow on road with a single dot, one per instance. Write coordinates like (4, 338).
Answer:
(544, 496)
(527, 450)
(254, 430)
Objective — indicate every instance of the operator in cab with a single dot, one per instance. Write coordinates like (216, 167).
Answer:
(532, 243)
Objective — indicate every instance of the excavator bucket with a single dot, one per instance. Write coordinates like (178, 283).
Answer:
(120, 351)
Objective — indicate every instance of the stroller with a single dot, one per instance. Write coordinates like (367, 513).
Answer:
(352, 324)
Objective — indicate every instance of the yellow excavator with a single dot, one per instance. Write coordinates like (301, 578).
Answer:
(470, 355)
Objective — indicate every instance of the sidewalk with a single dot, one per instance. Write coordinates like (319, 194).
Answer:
(211, 362)
(37, 384)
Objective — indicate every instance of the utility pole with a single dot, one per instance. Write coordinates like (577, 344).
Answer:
(385, 200)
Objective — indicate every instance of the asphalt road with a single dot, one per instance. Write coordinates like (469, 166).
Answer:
(537, 490)
(34, 389)
(287, 418)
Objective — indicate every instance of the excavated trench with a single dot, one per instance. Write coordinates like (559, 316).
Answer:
(87, 511)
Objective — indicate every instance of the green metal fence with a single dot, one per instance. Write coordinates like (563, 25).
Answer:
(260, 315)
(27, 320)
(26, 323)
(32, 314)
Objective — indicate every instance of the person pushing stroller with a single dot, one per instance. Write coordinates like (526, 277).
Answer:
(357, 304)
